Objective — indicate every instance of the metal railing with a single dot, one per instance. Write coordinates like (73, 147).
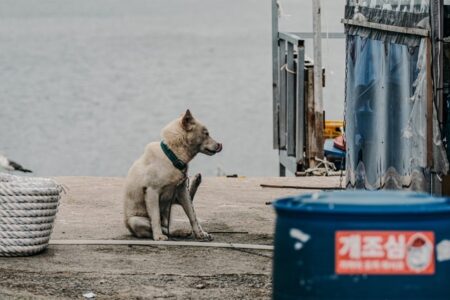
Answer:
(293, 99)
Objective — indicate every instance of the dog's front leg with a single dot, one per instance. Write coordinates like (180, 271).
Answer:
(152, 204)
(188, 207)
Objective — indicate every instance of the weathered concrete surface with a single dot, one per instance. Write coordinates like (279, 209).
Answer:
(233, 209)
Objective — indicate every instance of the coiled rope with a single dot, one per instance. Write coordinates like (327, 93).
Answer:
(28, 207)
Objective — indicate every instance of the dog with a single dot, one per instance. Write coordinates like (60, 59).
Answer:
(158, 179)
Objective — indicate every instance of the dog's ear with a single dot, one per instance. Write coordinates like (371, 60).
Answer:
(187, 120)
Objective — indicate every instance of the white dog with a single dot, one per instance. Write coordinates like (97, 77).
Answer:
(158, 179)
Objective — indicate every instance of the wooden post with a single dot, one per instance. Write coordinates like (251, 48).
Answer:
(318, 84)
(311, 143)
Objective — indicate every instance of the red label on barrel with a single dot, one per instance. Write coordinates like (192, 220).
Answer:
(384, 252)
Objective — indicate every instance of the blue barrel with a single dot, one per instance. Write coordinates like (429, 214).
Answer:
(362, 245)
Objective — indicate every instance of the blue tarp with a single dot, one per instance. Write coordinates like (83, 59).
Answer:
(331, 151)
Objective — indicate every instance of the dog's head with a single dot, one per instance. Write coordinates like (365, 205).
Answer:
(190, 134)
(197, 135)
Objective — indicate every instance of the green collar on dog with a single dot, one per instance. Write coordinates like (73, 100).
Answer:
(177, 163)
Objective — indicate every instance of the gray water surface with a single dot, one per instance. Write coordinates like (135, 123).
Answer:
(86, 84)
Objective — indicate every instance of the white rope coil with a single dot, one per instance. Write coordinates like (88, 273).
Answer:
(26, 221)
(26, 227)
(27, 213)
(34, 206)
(22, 250)
(28, 208)
(25, 241)
(28, 199)
(24, 234)
(7, 190)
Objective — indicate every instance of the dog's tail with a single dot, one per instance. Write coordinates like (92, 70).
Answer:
(194, 185)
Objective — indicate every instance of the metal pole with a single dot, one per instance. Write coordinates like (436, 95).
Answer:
(437, 35)
(317, 56)
(275, 71)
(318, 95)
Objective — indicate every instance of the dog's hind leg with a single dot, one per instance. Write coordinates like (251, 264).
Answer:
(166, 211)
(140, 227)
(165, 223)
(184, 199)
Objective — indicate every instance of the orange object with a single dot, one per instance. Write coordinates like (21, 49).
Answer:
(333, 128)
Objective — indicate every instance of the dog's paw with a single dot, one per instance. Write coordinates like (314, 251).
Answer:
(204, 236)
(161, 237)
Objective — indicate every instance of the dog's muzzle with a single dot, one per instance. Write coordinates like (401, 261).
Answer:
(217, 149)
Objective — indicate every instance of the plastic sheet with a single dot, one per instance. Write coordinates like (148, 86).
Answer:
(386, 94)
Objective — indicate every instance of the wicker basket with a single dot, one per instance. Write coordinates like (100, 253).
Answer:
(28, 207)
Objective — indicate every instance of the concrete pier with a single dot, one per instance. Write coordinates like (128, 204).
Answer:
(232, 209)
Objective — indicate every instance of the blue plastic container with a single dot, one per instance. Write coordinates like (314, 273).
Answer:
(362, 245)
